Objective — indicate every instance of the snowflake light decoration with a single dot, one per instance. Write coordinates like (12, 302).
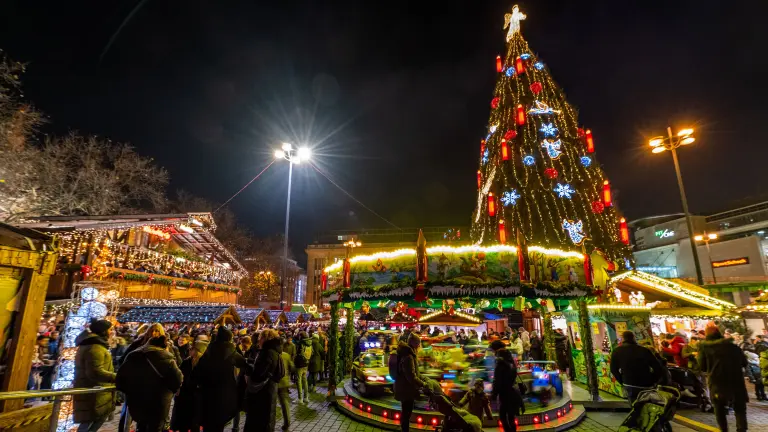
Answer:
(553, 148)
(575, 230)
(491, 130)
(538, 65)
(528, 160)
(548, 129)
(564, 190)
(542, 108)
(485, 157)
(510, 71)
(510, 197)
(586, 161)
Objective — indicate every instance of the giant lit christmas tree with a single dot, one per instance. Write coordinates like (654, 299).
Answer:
(539, 182)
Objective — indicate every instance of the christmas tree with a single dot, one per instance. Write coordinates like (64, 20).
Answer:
(539, 182)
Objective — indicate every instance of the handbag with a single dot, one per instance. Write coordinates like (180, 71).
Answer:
(521, 387)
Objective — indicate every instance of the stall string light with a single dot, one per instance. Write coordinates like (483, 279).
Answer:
(672, 288)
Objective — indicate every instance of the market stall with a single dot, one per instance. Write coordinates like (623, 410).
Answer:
(275, 317)
(256, 316)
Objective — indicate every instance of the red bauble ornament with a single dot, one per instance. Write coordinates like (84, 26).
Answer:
(511, 134)
(551, 173)
(536, 87)
(580, 132)
(495, 103)
(598, 207)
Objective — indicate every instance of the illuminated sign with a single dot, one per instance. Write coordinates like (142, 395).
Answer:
(665, 233)
(160, 233)
(730, 262)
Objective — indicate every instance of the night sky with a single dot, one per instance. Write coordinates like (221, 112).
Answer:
(393, 96)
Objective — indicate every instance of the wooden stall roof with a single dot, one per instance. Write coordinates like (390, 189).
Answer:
(656, 288)
(293, 317)
(307, 317)
(171, 314)
(201, 242)
(275, 316)
(249, 315)
(401, 318)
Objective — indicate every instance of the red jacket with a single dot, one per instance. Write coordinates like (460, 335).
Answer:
(676, 350)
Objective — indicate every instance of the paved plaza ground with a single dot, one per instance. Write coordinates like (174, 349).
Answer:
(319, 415)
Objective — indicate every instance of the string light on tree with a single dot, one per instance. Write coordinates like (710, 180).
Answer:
(564, 190)
(510, 197)
(575, 231)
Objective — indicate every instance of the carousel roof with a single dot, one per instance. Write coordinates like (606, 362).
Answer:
(449, 317)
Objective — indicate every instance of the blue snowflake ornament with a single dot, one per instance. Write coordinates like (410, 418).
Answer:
(548, 129)
(538, 65)
(485, 156)
(510, 197)
(586, 161)
(564, 190)
(510, 71)
(574, 230)
(553, 148)
(525, 56)
(528, 160)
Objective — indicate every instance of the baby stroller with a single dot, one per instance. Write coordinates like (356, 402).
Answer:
(691, 388)
(652, 411)
(452, 420)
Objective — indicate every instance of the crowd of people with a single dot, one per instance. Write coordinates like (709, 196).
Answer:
(183, 378)
(167, 374)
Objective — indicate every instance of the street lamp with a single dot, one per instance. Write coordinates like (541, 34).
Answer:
(706, 238)
(671, 143)
(293, 156)
(351, 244)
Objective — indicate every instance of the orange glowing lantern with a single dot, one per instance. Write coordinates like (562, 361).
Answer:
(623, 231)
(590, 142)
(502, 232)
(607, 200)
(498, 63)
(491, 204)
(519, 68)
(479, 179)
(520, 116)
(504, 150)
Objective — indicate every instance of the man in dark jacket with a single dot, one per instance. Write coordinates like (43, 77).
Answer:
(408, 381)
(635, 366)
(723, 362)
(504, 388)
(261, 399)
(93, 367)
(215, 375)
(149, 377)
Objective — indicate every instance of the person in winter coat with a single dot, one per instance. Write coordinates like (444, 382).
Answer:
(478, 401)
(537, 347)
(690, 353)
(675, 349)
(93, 367)
(505, 390)
(723, 363)
(561, 350)
(261, 399)
(526, 338)
(635, 366)
(516, 346)
(187, 405)
(301, 362)
(284, 386)
(316, 362)
(149, 378)
(215, 375)
(408, 381)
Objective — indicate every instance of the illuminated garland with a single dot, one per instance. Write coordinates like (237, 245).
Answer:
(159, 279)
(673, 289)
(532, 110)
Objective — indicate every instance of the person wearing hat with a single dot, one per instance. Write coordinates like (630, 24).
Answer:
(187, 405)
(723, 363)
(93, 367)
(408, 381)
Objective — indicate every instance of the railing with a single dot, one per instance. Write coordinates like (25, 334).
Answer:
(57, 395)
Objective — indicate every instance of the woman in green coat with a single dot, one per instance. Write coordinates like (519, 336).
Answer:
(316, 362)
(93, 367)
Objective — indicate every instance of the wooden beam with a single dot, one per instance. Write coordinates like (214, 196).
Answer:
(19, 364)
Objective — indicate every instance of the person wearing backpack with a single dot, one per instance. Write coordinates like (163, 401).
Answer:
(301, 362)
(261, 397)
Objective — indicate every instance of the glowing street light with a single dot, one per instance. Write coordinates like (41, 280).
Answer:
(706, 238)
(293, 156)
(672, 142)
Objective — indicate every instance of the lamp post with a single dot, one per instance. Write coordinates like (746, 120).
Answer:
(350, 245)
(672, 143)
(293, 156)
(706, 238)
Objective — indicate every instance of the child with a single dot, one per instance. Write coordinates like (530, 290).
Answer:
(478, 401)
